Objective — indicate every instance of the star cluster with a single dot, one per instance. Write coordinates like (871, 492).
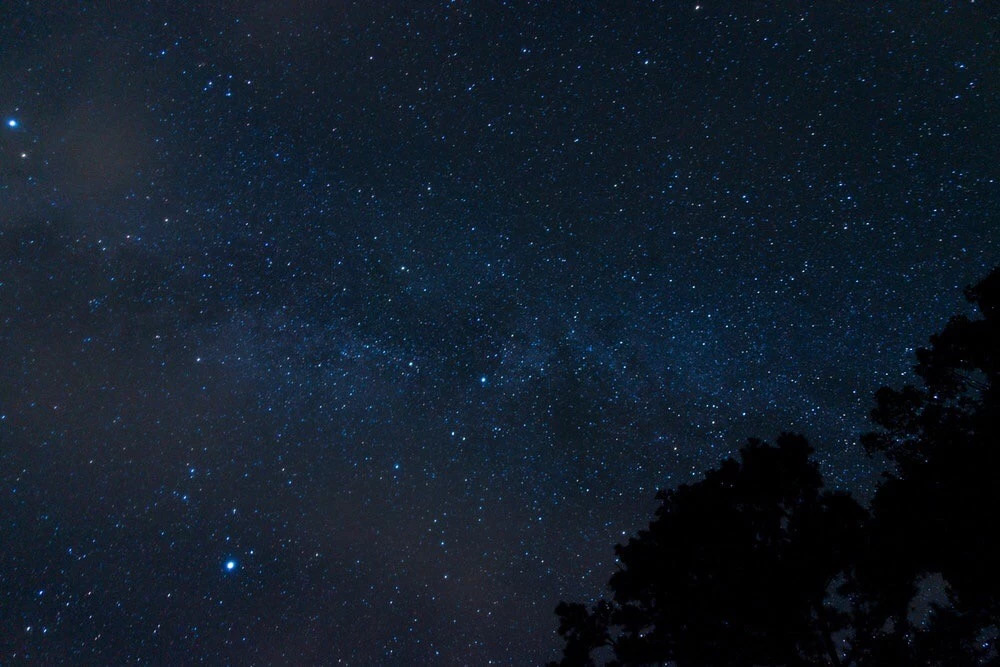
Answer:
(359, 333)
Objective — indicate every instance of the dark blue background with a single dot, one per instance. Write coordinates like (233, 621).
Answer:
(408, 309)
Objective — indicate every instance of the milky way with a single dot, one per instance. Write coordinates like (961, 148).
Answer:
(358, 332)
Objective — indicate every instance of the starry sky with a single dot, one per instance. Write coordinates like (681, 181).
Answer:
(360, 332)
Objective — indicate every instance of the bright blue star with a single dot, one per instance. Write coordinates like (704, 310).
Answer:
(230, 565)
(12, 123)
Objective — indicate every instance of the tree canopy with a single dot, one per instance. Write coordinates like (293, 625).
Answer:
(757, 564)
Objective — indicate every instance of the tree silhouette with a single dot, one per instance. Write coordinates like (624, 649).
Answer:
(757, 565)
(734, 570)
(935, 514)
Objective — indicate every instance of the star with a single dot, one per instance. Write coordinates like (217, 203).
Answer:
(12, 123)
(230, 565)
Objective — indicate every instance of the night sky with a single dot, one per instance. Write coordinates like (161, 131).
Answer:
(361, 331)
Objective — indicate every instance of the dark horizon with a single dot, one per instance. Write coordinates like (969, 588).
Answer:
(362, 331)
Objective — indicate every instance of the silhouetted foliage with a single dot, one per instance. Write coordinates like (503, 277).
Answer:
(935, 514)
(733, 570)
(757, 565)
